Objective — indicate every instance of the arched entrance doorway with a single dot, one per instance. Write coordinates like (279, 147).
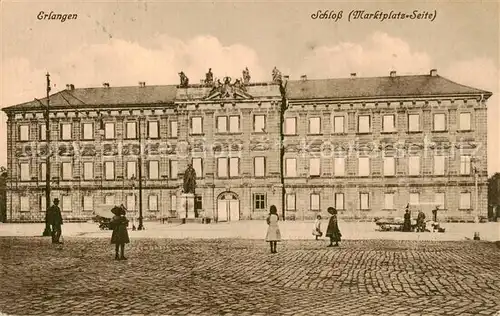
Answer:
(228, 207)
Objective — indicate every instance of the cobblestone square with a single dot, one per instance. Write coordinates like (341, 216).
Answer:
(241, 277)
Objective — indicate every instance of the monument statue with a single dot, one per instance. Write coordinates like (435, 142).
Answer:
(209, 77)
(184, 79)
(189, 179)
(276, 75)
(246, 76)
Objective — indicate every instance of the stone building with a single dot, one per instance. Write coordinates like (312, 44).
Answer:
(368, 146)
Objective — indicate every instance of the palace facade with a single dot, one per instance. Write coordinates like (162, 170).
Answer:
(368, 146)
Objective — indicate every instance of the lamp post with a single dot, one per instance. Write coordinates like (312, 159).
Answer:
(47, 231)
(476, 199)
(283, 108)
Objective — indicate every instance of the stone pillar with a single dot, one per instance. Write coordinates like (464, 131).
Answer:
(185, 207)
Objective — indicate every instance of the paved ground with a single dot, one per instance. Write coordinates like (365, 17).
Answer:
(241, 277)
(291, 230)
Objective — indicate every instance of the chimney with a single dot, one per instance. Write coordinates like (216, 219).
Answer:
(70, 87)
(393, 73)
(105, 85)
(142, 84)
(303, 77)
(286, 77)
(434, 72)
(353, 74)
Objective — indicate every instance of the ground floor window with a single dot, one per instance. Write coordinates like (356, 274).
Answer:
(290, 202)
(259, 202)
(364, 201)
(465, 201)
(198, 205)
(339, 201)
(314, 202)
(24, 204)
(109, 199)
(153, 202)
(389, 201)
(66, 203)
(131, 202)
(88, 203)
(173, 203)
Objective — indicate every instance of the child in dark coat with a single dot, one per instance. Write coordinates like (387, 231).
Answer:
(333, 228)
(119, 237)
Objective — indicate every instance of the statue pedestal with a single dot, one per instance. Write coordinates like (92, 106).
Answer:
(186, 207)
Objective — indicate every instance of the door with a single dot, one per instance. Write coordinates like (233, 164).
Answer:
(221, 210)
(228, 207)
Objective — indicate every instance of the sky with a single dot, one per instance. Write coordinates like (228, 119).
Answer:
(126, 42)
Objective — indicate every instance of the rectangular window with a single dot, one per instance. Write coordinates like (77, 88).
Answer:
(66, 203)
(339, 201)
(439, 122)
(363, 166)
(24, 204)
(465, 165)
(109, 130)
(338, 125)
(389, 166)
(131, 130)
(66, 131)
(291, 167)
(222, 124)
(173, 202)
(439, 199)
(364, 124)
(198, 167)
(415, 199)
(439, 163)
(314, 167)
(24, 132)
(173, 129)
(43, 132)
(465, 201)
(131, 170)
(67, 171)
(414, 123)
(88, 170)
(196, 125)
(154, 172)
(314, 125)
(43, 203)
(290, 126)
(88, 131)
(414, 165)
(222, 171)
(153, 129)
(131, 202)
(339, 166)
(259, 164)
(153, 202)
(364, 201)
(25, 171)
(109, 199)
(234, 124)
(109, 170)
(290, 202)
(389, 201)
(314, 202)
(259, 202)
(234, 167)
(388, 124)
(173, 169)
(465, 122)
(43, 171)
(259, 123)
(88, 203)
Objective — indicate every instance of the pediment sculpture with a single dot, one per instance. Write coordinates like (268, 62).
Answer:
(228, 90)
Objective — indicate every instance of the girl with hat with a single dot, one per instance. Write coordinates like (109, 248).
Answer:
(333, 228)
(119, 237)
(273, 232)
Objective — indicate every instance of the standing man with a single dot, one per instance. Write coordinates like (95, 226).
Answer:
(55, 220)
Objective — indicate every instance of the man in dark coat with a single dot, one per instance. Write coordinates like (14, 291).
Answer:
(54, 218)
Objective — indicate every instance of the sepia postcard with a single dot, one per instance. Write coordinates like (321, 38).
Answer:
(249, 158)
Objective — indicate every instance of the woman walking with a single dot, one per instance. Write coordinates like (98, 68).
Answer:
(273, 232)
(119, 237)
(333, 228)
